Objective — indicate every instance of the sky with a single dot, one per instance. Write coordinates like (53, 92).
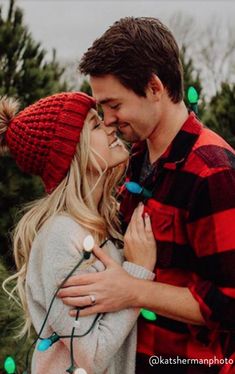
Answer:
(71, 26)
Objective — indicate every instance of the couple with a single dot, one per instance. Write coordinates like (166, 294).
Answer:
(179, 244)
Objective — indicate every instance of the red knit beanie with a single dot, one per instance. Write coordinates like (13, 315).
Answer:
(43, 137)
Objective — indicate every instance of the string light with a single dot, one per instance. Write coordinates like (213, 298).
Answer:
(71, 369)
(193, 97)
(88, 245)
(9, 365)
(74, 370)
(137, 189)
(76, 324)
(44, 344)
(80, 371)
(148, 314)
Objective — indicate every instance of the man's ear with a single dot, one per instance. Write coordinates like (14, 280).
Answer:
(155, 88)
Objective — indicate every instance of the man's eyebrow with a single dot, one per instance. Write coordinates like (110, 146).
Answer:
(105, 101)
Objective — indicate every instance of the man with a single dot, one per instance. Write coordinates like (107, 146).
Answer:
(136, 76)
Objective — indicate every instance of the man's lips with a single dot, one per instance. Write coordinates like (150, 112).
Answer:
(122, 126)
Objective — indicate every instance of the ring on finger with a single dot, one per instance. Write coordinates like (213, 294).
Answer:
(93, 299)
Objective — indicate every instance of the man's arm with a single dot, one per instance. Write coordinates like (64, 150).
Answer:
(210, 296)
(115, 289)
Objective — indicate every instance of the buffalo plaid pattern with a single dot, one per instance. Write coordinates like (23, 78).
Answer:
(192, 211)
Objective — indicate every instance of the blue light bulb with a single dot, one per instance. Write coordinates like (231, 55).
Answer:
(137, 189)
(44, 345)
(134, 187)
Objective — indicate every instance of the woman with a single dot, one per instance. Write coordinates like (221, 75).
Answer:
(62, 139)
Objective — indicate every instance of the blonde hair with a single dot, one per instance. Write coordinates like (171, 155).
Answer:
(72, 197)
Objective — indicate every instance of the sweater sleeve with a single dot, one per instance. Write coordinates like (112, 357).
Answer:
(211, 227)
(94, 351)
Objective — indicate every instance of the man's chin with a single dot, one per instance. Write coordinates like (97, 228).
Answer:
(130, 138)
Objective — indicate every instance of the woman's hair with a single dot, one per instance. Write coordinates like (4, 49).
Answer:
(72, 197)
(8, 109)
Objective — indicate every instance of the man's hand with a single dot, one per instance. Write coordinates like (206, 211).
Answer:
(114, 289)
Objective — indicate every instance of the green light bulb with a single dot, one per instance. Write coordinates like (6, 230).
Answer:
(9, 365)
(147, 314)
(192, 95)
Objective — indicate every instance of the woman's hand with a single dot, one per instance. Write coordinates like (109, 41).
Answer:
(139, 243)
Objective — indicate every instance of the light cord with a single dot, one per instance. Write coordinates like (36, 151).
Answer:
(49, 309)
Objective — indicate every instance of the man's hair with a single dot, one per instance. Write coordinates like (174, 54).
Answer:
(133, 49)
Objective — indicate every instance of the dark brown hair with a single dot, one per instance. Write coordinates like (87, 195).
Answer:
(133, 49)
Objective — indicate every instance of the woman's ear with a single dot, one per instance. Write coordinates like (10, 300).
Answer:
(155, 88)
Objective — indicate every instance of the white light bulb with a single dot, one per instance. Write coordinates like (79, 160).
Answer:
(76, 324)
(79, 371)
(88, 243)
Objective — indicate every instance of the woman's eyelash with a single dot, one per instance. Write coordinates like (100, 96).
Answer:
(97, 125)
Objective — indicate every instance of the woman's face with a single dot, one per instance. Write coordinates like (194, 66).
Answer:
(104, 141)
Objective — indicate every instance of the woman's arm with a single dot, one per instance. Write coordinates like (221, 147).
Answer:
(96, 350)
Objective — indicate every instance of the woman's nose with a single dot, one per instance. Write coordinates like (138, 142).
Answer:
(110, 130)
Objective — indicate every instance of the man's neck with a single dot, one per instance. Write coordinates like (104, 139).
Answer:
(171, 122)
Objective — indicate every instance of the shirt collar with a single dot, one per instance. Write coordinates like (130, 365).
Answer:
(177, 152)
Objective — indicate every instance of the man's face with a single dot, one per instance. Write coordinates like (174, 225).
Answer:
(134, 116)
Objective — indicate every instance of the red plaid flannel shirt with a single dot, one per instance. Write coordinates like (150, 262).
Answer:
(193, 218)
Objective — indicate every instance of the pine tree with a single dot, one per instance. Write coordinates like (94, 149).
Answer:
(85, 87)
(10, 320)
(220, 116)
(27, 75)
(24, 72)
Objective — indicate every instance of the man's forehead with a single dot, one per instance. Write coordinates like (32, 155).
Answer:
(105, 100)
(105, 88)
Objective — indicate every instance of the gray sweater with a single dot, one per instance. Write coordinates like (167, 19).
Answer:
(110, 346)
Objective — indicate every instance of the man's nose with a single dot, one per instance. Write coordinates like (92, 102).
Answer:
(110, 119)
